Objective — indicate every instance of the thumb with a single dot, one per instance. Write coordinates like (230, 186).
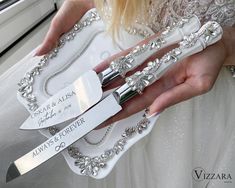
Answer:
(50, 40)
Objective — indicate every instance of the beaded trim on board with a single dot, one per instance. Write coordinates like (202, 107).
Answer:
(88, 165)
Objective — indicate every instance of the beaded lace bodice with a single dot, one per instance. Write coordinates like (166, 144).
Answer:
(169, 11)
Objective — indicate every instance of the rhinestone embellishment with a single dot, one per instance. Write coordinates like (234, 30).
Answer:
(90, 166)
(124, 63)
(26, 84)
(141, 80)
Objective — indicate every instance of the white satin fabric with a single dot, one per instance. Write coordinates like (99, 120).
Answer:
(197, 133)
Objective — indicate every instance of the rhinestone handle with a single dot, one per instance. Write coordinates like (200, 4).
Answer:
(172, 35)
(209, 34)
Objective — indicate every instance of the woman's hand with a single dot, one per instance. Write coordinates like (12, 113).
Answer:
(70, 12)
(193, 76)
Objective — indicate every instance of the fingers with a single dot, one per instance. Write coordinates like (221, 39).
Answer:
(139, 102)
(172, 96)
(191, 77)
(184, 91)
(201, 71)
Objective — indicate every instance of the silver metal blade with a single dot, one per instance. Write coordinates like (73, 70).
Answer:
(68, 103)
(67, 136)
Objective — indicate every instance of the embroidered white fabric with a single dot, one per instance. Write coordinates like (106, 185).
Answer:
(197, 133)
(169, 11)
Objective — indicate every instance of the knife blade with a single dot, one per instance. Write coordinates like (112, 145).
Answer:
(87, 89)
(65, 137)
(209, 34)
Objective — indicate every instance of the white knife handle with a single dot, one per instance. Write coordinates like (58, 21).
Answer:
(167, 38)
(172, 35)
(209, 34)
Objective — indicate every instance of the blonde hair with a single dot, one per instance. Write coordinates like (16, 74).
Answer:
(123, 12)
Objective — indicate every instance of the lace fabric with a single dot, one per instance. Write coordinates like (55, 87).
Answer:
(169, 11)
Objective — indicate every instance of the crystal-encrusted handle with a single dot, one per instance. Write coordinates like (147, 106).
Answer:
(209, 34)
(172, 35)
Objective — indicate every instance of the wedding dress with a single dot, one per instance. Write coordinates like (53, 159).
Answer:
(188, 137)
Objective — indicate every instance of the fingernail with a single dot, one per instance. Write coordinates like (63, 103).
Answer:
(35, 53)
(152, 115)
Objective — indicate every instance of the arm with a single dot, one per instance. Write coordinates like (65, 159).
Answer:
(229, 43)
